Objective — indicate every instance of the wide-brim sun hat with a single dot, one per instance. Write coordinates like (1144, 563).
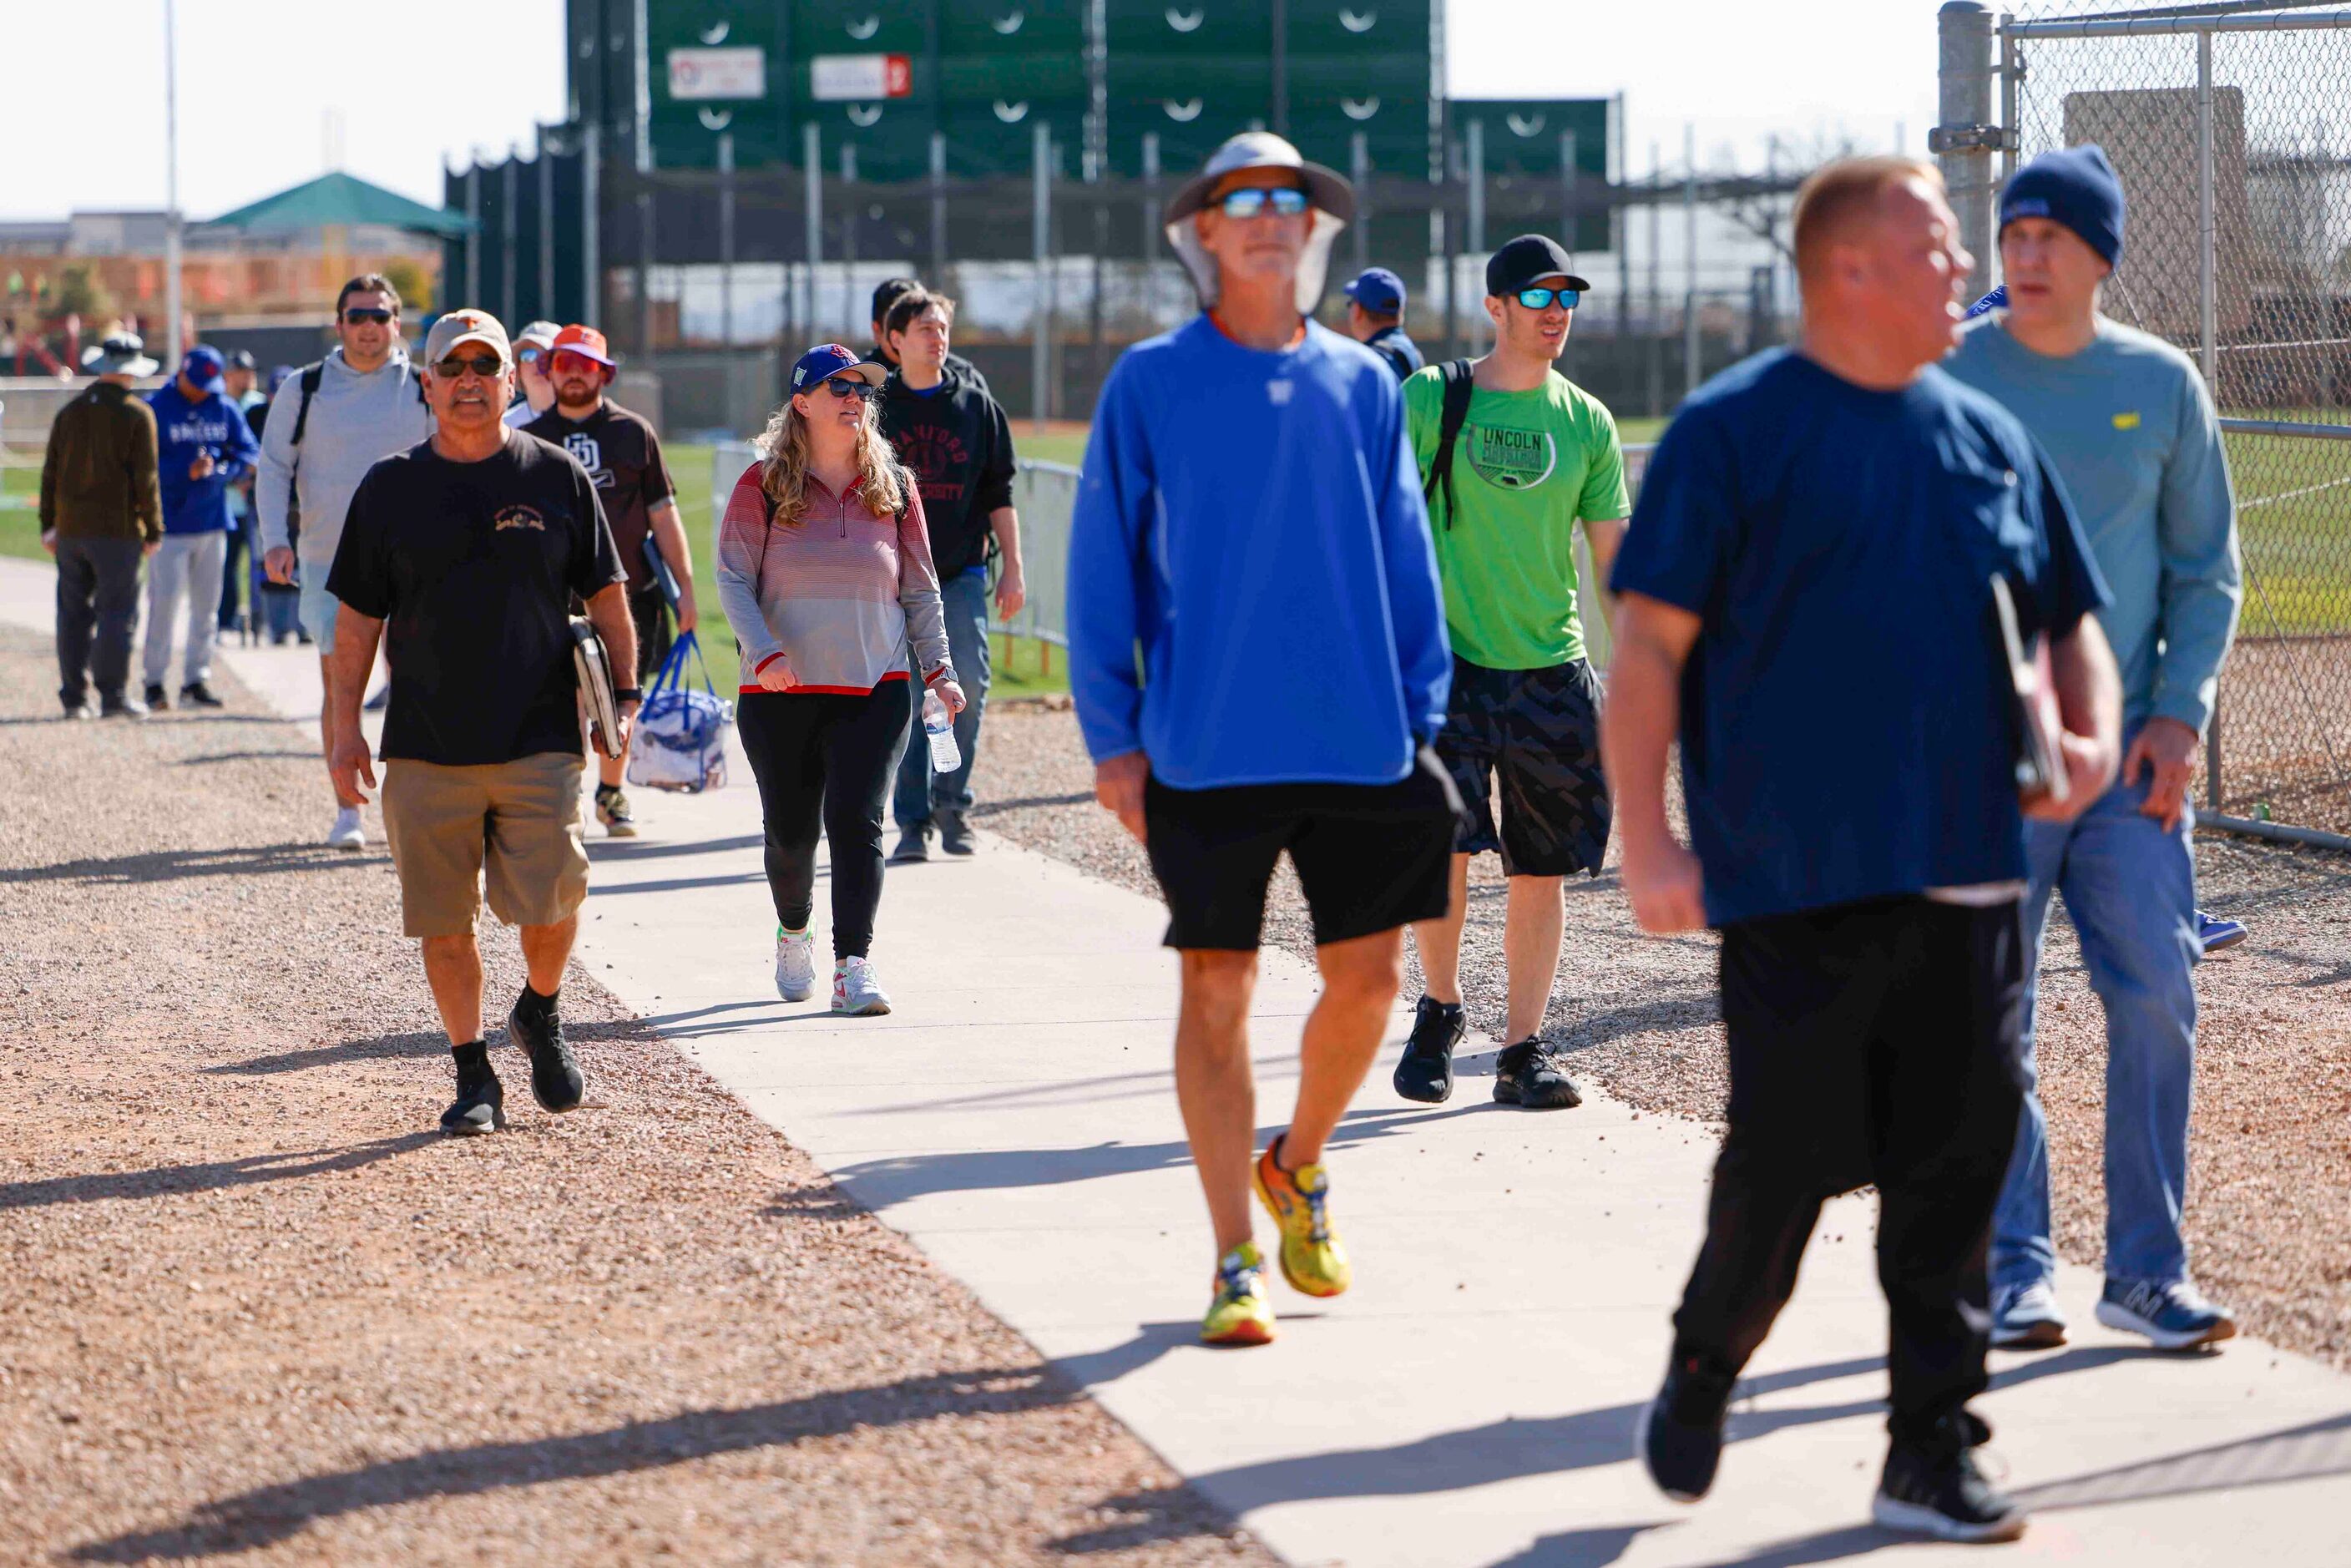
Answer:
(1329, 196)
(121, 354)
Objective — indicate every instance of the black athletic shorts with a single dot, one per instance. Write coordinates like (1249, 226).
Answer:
(650, 610)
(1372, 857)
(1539, 731)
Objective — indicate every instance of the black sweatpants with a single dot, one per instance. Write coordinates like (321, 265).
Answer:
(98, 615)
(826, 760)
(1873, 1042)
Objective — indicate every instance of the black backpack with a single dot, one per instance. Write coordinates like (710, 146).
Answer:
(1459, 384)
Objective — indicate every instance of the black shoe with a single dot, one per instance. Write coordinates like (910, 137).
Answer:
(1425, 1072)
(1531, 1074)
(913, 844)
(80, 708)
(158, 698)
(1935, 1488)
(196, 694)
(481, 1103)
(121, 707)
(1680, 1434)
(555, 1080)
(954, 835)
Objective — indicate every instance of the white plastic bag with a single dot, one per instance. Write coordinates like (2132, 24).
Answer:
(680, 734)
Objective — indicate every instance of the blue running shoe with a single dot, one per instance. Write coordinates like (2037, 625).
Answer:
(2217, 935)
(2026, 1317)
(2172, 1317)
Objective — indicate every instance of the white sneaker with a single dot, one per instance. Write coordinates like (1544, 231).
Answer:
(347, 833)
(795, 965)
(855, 992)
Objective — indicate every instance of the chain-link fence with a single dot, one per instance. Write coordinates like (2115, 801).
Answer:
(2231, 127)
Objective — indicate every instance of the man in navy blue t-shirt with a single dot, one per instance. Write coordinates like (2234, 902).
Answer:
(1807, 596)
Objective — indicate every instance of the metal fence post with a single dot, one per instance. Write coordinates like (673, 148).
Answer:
(1041, 234)
(848, 217)
(1656, 335)
(725, 239)
(2208, 320)
(1690, 346)
(939, 209)
(473, 232)
(1567, 193)
(812, 179)
(1359, 169)
(1963, 142)
(1476, 226)
(592, 221)
(545, 172)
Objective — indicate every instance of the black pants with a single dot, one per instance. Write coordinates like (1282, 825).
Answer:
(98, 614)
(1873, 1042)
(823, 759)
(233, 572)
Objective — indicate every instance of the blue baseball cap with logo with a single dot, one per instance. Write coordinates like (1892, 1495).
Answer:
(827, 360)
(1377, 290)
(202, 367)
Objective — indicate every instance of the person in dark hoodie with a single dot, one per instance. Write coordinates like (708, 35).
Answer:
(946, 427)
(888, 292)
(205, 448)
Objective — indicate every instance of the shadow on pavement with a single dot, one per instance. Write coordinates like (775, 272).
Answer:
(1594, 1548)
(416, 1044)
(208, 1175)
(278, 756)
(268, 1515)
(174, 865)
(625, 851)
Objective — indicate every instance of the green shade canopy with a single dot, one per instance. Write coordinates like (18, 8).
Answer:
(341, 199)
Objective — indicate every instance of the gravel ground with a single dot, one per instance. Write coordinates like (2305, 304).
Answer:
(251, 1306)
(2270, 1195)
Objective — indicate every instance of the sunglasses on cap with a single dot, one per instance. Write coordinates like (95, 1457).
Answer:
(1287, 201)
(455, 365)
(357, 314)
(1541, 299)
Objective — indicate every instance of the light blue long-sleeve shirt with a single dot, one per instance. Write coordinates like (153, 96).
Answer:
(2130, 429)
(1253, 521)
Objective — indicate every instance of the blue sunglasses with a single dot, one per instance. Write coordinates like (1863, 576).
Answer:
(1288, 200)
(1541, 299)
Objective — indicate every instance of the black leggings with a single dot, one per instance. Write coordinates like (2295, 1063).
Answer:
(826, 759)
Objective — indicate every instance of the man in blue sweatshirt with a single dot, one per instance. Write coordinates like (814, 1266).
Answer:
(1251, 519)
(2128, 424)
(203, 449)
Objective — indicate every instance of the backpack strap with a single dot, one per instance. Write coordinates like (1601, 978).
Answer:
(312, 374)
(1459, 383)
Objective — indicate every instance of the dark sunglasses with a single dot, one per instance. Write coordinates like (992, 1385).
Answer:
(483, 365)
(354, 316)
(1541, 299)
(847, 387)
(1288, 200)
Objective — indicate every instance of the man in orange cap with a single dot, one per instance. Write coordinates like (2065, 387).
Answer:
(624, 456)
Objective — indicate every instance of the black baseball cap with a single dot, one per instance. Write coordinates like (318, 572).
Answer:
(1526, 258)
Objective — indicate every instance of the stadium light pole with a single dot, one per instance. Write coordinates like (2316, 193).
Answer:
(172, 325)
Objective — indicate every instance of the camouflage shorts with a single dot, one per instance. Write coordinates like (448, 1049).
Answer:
(1537, 732)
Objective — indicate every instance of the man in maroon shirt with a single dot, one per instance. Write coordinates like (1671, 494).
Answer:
(624, 456)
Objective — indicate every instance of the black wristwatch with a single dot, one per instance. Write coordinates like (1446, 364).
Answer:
(627, 695)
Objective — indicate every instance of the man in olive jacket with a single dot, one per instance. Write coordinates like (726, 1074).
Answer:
(101, 513)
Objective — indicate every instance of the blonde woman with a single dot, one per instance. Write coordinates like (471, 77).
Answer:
(825, 568)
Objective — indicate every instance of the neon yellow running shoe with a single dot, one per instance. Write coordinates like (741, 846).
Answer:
(1312, 1261)
(1238, 1313)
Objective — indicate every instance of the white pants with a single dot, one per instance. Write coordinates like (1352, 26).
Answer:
(189, 566)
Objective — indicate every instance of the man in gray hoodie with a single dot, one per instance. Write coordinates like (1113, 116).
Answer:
(363, 401)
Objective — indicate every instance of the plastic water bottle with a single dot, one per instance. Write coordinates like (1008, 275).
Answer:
(938, 729)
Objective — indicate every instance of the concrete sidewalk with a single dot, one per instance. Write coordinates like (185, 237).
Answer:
(1471, 1400)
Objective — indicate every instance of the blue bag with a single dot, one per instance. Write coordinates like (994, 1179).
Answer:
(680, 734)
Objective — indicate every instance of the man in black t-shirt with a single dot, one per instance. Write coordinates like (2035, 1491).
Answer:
(464, 553)
(624, 456)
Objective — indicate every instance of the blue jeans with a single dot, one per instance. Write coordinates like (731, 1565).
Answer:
(964, 596)
(2130, 888)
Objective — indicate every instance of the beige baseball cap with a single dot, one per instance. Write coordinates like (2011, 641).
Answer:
(459, 327)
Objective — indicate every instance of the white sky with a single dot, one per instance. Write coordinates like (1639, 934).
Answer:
(258, 79)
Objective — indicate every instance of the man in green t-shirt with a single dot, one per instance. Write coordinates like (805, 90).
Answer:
(1533, 455)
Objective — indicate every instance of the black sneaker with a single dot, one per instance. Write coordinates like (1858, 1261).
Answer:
(1531, 1074)
(954, 834)
(121, 707)
(158, 698)
(481, 1102)
(1425, 1072)
(1936, 1487)
(555, 1080)
(196, 694)
(1680, 1434)
(913, 844)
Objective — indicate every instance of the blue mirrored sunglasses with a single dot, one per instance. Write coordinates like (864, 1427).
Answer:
(1541, 299)
(1248, 202)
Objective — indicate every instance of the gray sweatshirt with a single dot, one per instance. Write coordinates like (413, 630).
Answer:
(354, 420)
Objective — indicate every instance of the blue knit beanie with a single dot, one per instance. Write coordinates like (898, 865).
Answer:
(2076, 187)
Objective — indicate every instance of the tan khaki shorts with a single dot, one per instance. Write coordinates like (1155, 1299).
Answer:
(520, 821)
